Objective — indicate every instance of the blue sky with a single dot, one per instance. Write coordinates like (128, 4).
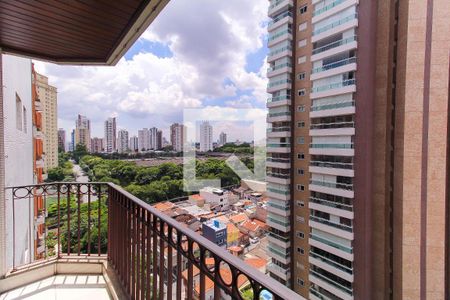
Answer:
(217, 60)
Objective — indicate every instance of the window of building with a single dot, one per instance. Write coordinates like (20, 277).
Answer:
(300, 172)
(301, 124)
(300, 187)
(302, 43)
(300, 203)
(25, 121)
(301, 250)
(301, 140)
(301, 156)
(300, 266)
(302, 26)
(18, 113)
(301, 76)
(303, 9)
(300, 234)
(301, 92)
(300, 282)
(301, 59)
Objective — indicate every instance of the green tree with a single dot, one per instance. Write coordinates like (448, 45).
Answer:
(79, 152)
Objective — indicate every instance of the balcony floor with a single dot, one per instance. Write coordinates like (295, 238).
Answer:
(65, 287)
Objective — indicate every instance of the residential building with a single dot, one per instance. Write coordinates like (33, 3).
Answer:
(97, 145)
(216, 232)
(215, 198)
(134, 144)
(206, 137)
(155, 138)
(177, 136)
(48, 96)
(61, 140)
(72, 140)
(82, 132)
(144, 139)
(222, 138)
(353, 128)
(19, 156)
(110, 135)
(122, 141)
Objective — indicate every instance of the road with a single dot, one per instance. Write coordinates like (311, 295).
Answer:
(82, 178)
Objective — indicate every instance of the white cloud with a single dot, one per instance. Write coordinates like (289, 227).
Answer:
(209, 40)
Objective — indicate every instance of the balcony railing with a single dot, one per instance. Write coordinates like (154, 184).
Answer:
(333, 86)
(334, 185)
(332, 106)
(278, 82)
(327, 7)
(330, 164)
(333, 224)
(335, 125)
(335, 24)
(103, 220)
(336, 284)
(335, 65)
(280, 66)
(333, 204)
(279, 50)
(278, 191)
(278, 129)
(274, 36)
(331, 243)
(286, 14)
(278, 160)
(279, 98)
(334, 45)
(331, 262)
(331, 146)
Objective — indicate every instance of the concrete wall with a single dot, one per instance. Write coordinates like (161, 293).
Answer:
(18, 156)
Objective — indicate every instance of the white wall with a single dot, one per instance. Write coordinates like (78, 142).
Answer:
(18, 155)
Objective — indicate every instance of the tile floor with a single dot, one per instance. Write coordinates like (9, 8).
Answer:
(66, 287)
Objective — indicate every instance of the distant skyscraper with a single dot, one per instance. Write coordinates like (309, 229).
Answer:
(110, 135)
(48, 98)
(96, 145)
(222, 138)
(153, 138)
(177, 136)
(159, 138)
(144, 139)
(134, 144)
(62, 139)
(206, 137)
(72, 140)
(122, 141)
(83, 132)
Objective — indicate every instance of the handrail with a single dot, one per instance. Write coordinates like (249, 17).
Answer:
(137, 236)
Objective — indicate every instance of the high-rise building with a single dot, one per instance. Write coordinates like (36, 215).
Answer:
(122, 141)
(97, 145)
(48, 96)
(153, 132)
(82, 132)
(72, 140)
(110, 135)
(222, 138)
(134, 144)
(177, 136)
(159, 140)
(144, 139)
(358, 128)
(206, 137)
(61, 139)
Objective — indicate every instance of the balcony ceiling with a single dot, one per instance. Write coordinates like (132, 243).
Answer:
(80, 32)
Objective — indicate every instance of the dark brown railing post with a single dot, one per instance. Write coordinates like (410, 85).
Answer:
(89, 221)
(99, 223)
(68, 219)
(79, 218)
(58, 245)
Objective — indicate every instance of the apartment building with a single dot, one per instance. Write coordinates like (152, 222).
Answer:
(144, 139)
(206, 137)
(359, 96)
(222, 138)
(82, 132)
(61, 139)
(134, 143)
(177, 135)
(96, 145)
(110, 135)
(122, 141)
(48, 97)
